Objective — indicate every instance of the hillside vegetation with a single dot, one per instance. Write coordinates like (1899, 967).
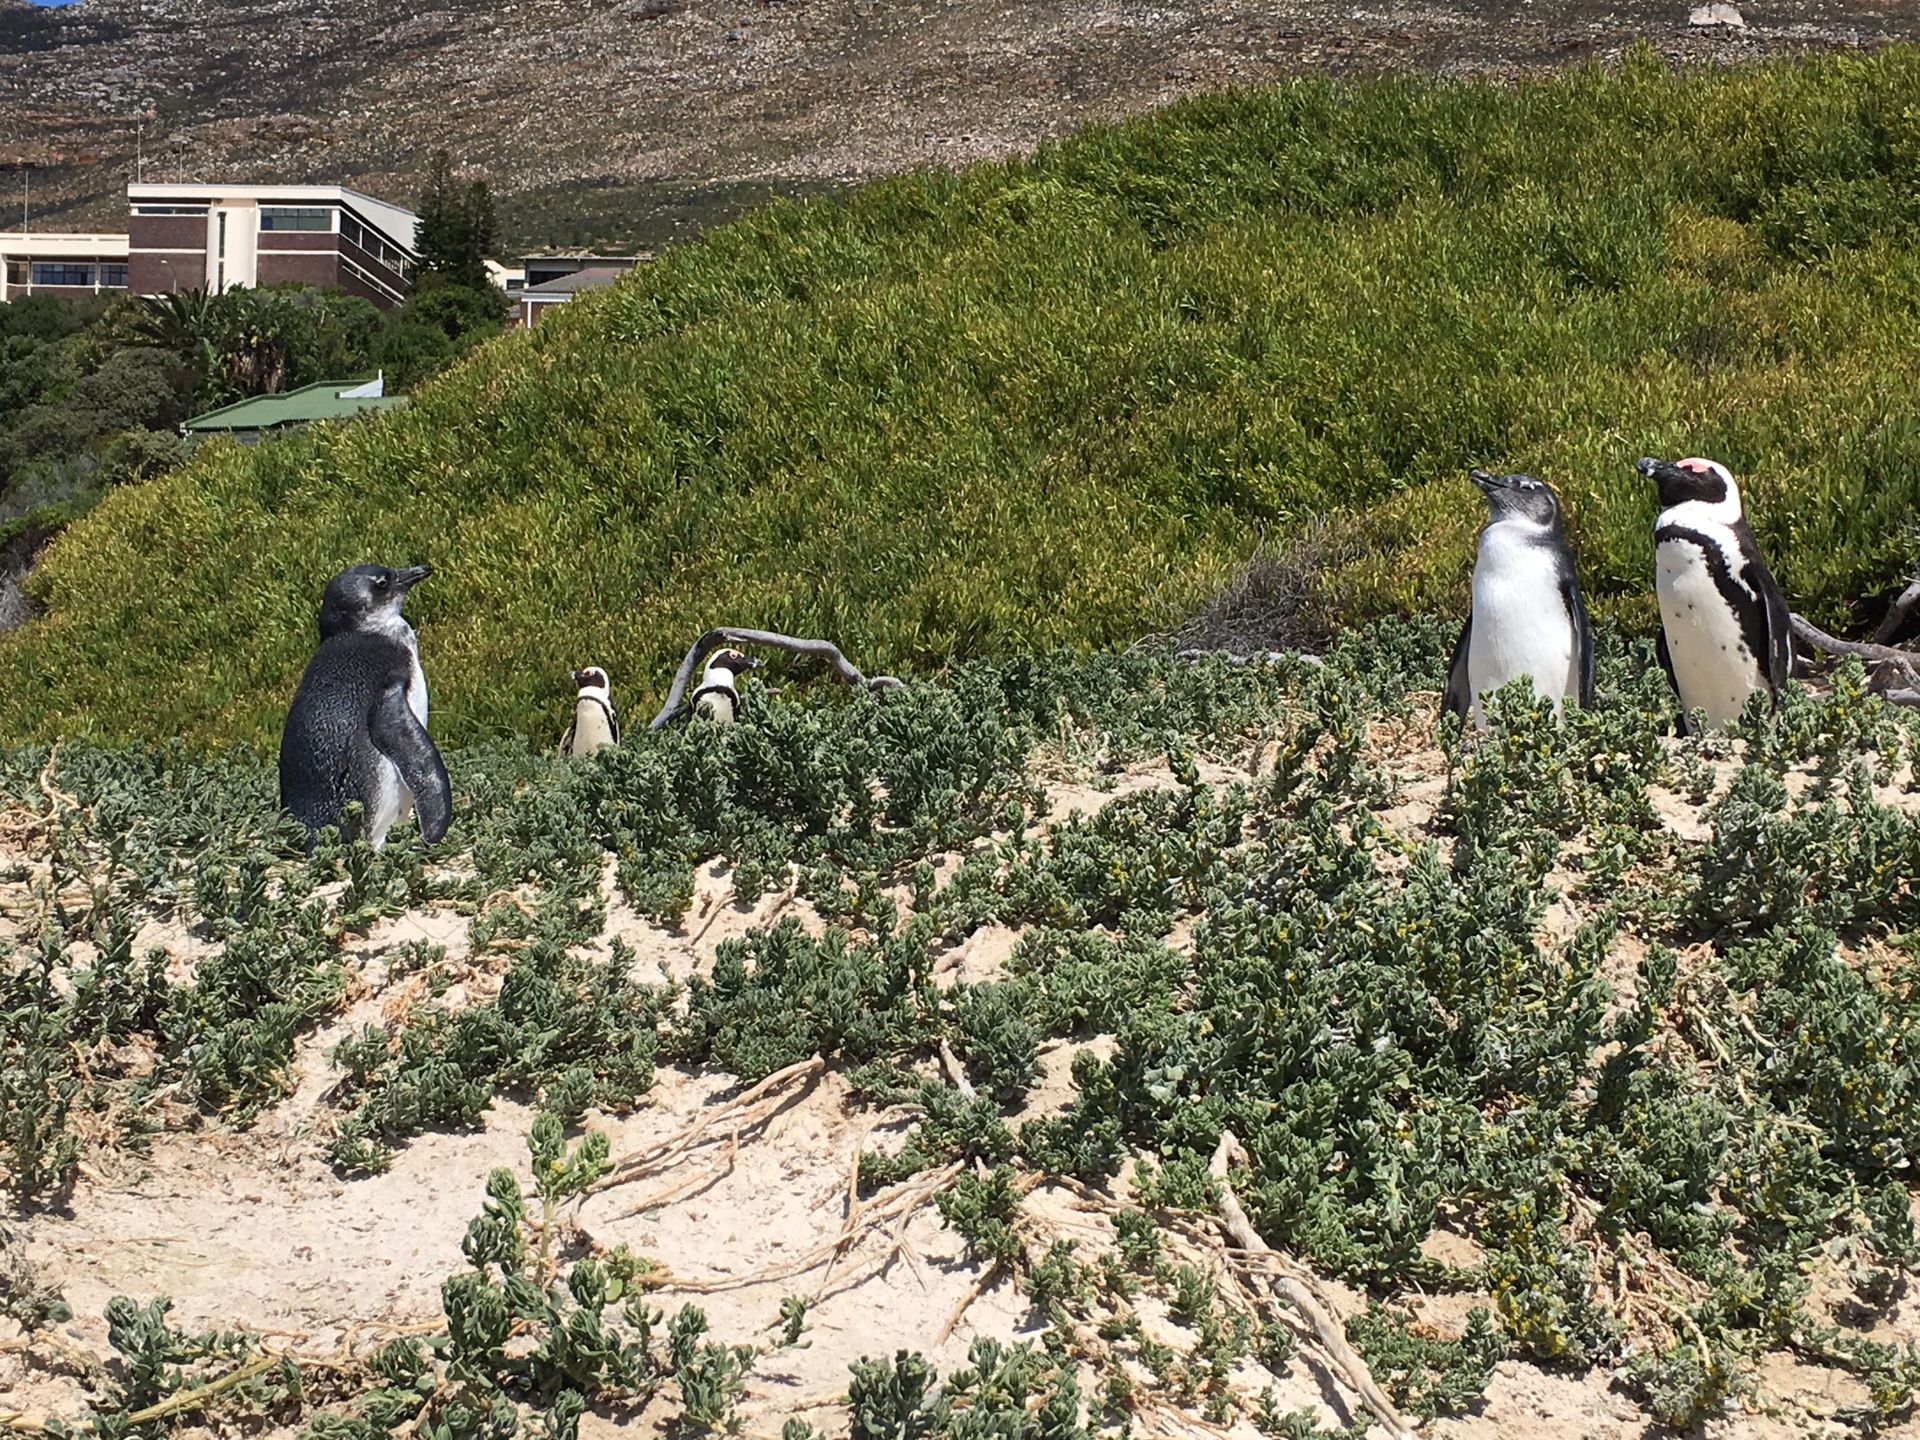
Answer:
(1580, 1045)
(1050, 402)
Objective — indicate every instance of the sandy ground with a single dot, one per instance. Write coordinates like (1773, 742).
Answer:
(253, 1229)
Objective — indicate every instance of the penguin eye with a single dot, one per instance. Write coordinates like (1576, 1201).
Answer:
(379, 582)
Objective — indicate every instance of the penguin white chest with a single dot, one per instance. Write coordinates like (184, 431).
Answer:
(1520, 620)
(592, 726)
(1713, 668)
(392, 800)
(416, 680)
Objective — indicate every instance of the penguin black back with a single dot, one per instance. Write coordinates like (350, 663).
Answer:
(357, 727)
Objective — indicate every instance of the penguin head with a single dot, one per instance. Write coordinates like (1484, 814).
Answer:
(725, 663)
(591, 680)
(367, 597)
(1691, 481)
(1518, 497)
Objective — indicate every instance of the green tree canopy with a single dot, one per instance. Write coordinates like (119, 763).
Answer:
(456, 228)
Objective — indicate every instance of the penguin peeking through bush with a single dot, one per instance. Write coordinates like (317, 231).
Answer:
(595, 722)
(717, 700)
(357, 729)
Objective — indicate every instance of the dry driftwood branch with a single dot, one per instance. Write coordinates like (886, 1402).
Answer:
(793, 645)
(1897, 613)
(1296, 1294)
(1807, 633)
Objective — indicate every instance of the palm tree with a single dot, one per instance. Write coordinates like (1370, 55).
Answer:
(187, 322)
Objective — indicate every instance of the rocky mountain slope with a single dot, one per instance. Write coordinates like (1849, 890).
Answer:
(628, 121)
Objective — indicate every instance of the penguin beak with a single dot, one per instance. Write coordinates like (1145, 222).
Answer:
(578, 677)
(406, 579)
(1649, 467)
(1489, 483)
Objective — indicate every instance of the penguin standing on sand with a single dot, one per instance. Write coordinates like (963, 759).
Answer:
(717, 700)
(595, 722)
(1724, 627)
(1527, 616)
(357, 729)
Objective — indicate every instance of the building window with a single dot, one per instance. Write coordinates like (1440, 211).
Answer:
(282, 217)
(16, 272)
(61, 272)
(199, 210)
(354, 233)
(113, 277)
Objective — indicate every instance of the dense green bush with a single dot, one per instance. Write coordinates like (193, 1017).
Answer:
(1663, 1083)
(1050, 401)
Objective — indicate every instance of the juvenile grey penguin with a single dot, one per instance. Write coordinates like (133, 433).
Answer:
(595, 722)
(1724, 627)
(357, 729)
(1527, 616)
(716, 699)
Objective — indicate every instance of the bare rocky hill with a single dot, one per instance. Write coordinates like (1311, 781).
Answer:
(630, 121)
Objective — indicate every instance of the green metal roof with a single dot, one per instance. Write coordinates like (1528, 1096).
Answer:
(319, 401)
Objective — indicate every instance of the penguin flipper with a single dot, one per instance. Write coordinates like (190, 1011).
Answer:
(1458, 697)
(1779, 657)
(566, 740)
(1665, 657)
(1582, 638)
(397, 733)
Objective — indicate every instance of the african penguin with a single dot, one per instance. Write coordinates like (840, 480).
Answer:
(1725, 631)
(595, 722)
(716, 699)
(357, 729)
(1527, 616)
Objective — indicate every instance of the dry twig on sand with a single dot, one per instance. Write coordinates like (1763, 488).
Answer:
(902, 1199)
(1289, 1288)
(955, 1071)
(794, 645)
(745, 1112)
(176, 1404)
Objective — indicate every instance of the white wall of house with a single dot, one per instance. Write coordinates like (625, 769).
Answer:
(49, 247)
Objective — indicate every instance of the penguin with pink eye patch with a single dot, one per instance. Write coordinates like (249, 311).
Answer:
(1725, 630)
(717, 701)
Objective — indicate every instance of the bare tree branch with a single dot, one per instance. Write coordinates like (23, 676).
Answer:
(1805, 631)
(1897, 613)
(793, 645)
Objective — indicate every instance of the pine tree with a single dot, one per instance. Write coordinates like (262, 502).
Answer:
(480, 227)
(456, 229)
